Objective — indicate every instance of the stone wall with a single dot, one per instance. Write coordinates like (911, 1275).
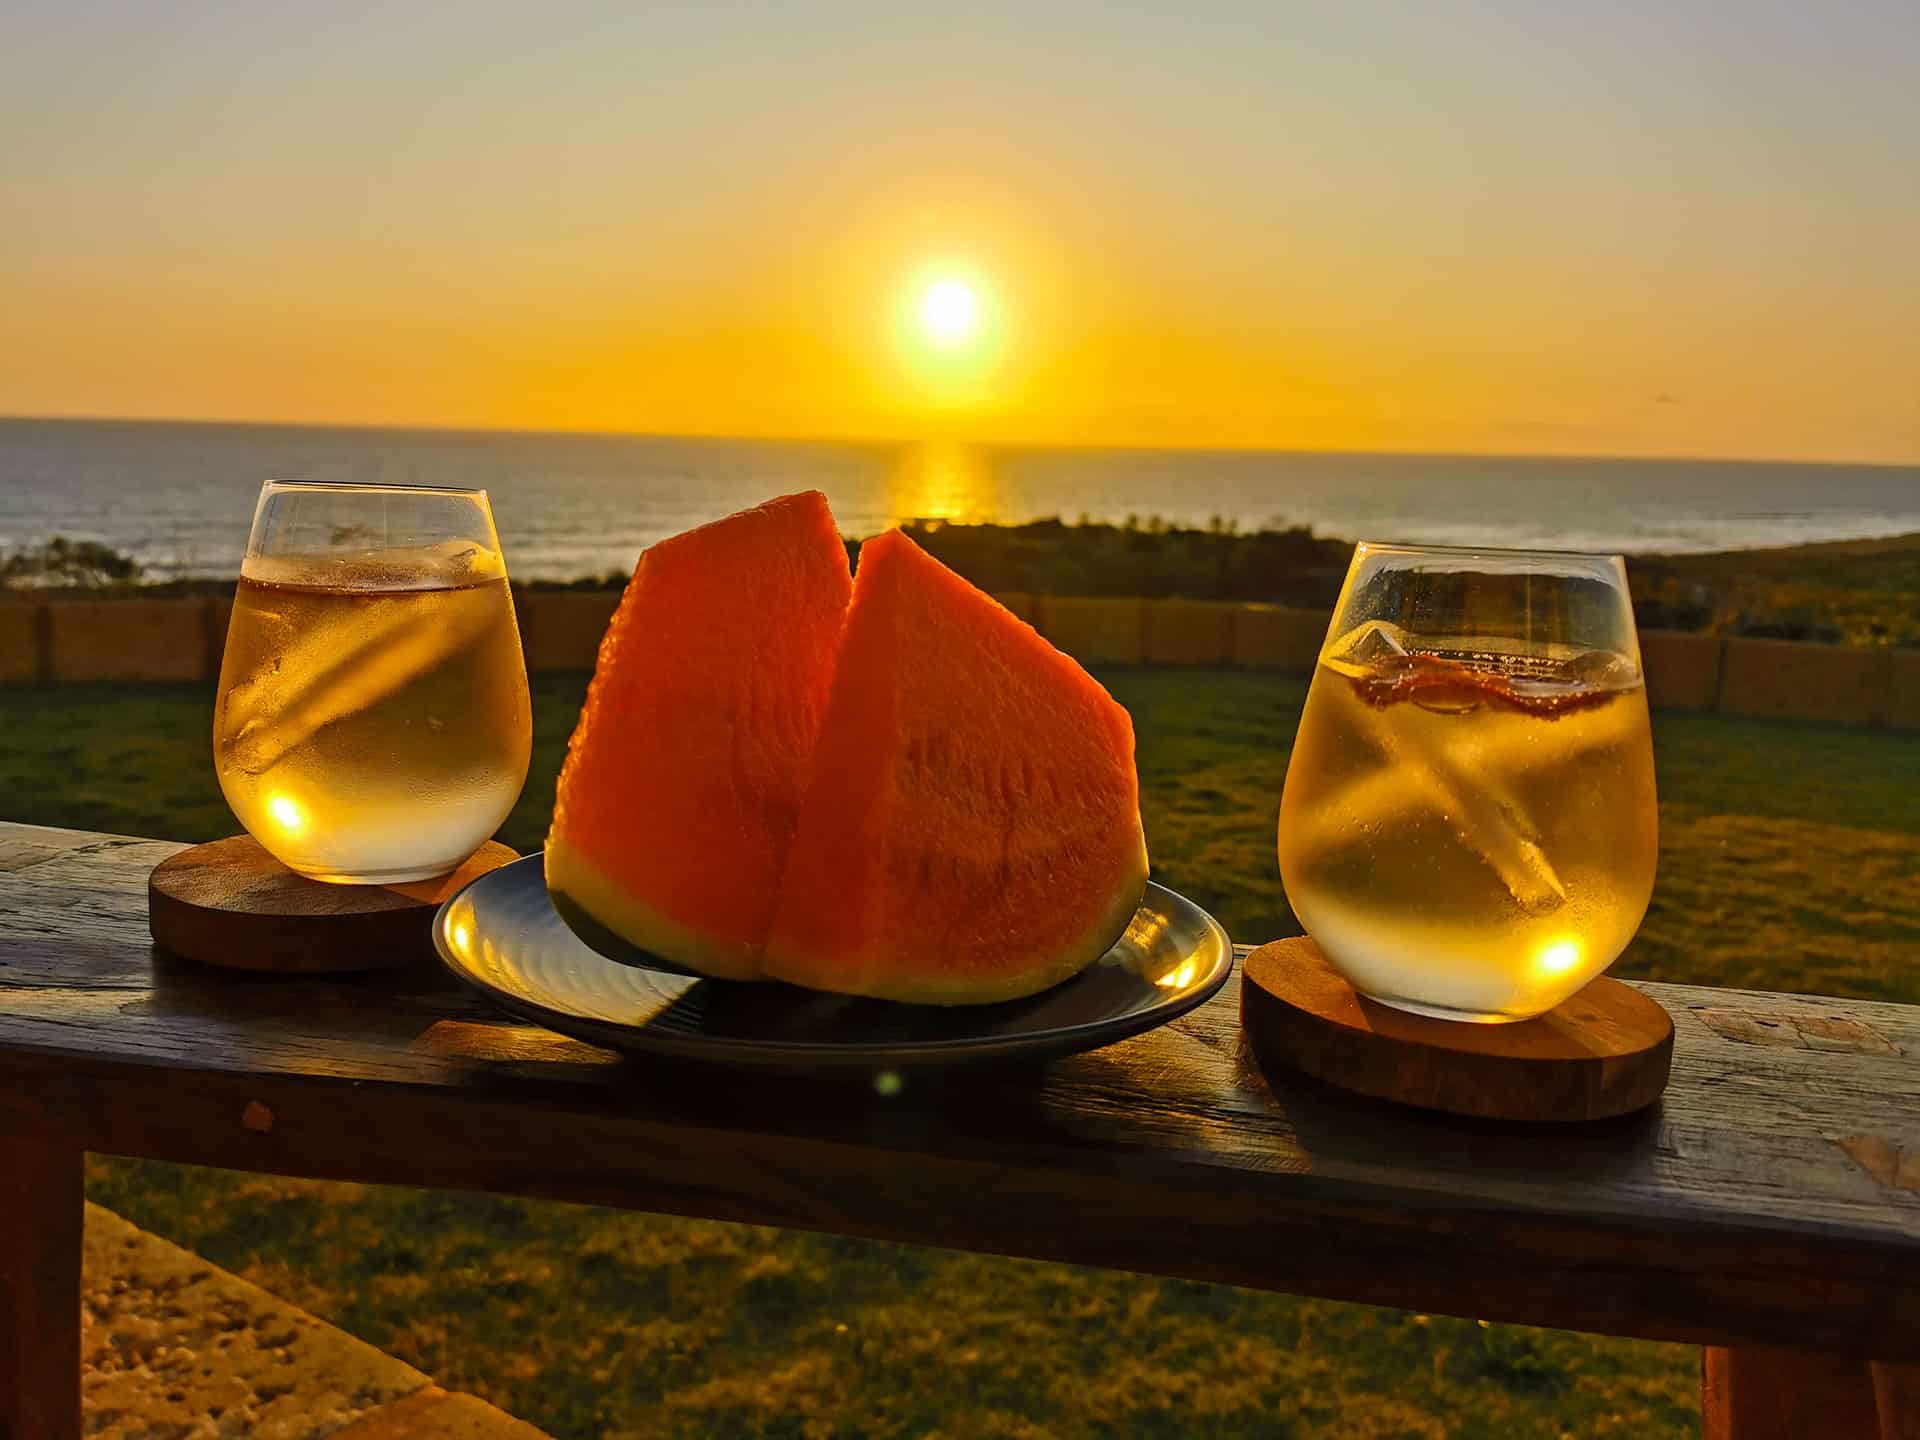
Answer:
(58, 641)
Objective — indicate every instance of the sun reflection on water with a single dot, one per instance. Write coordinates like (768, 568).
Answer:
(942, 480)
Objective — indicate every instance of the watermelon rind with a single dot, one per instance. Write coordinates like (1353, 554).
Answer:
(1028, 977)
(579, 888)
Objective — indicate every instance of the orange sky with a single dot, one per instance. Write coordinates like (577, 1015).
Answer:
(1367, 225)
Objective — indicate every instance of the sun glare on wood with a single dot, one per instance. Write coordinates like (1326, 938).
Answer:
(950, 312)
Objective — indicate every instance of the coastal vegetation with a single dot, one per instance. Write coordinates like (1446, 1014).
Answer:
(1852, 592)
(1863, 592)
(60, 562)
(1785, 864)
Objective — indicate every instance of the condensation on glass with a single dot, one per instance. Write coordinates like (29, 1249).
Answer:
(1468, 828)
(372, 724)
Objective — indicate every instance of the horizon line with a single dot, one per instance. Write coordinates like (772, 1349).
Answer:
(897, 441)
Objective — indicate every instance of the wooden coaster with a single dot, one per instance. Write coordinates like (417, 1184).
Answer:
(232, 904)
(1605, 1051)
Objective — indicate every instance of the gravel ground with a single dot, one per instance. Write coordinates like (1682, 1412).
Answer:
(173, 1348)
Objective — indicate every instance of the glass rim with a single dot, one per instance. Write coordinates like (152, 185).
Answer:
(1496, 552)
(467, 492)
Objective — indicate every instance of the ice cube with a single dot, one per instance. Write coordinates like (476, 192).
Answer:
(1368, 646)
(1445, 701)
(1598, 670)
(1490, 822)
(1456, 779)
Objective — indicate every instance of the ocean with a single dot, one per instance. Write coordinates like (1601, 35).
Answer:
(179, 497)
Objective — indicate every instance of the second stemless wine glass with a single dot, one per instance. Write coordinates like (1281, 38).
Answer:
(373, 724)
(1468, 827)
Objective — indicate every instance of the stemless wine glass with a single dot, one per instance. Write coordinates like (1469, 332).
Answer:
(373, 724)
(1468, 827)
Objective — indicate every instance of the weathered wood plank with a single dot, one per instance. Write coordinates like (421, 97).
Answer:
(1170, 1094)
(1010, 1192)
(1764, 1201)
(22, 846)
(41, 1210)
(91, 888)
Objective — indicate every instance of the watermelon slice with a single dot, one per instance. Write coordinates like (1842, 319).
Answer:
(682, 784)
(971, 828)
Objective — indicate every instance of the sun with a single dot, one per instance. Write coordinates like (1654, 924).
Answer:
(949, 312)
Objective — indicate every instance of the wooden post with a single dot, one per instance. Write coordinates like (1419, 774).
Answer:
(41, 1217)
(1759, 1392)
(1897, 1390)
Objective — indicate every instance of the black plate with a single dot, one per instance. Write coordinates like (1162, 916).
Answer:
(501, 933)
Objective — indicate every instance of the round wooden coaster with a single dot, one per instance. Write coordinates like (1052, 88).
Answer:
(230, 903)
(1605, 1051)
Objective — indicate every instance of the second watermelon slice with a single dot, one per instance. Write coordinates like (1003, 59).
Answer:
(971, 824)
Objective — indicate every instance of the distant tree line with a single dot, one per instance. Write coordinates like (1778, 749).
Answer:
(1857, 594)
(1155, 560)
(63, 562)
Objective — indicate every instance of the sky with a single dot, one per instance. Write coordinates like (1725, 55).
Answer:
(1585, 227)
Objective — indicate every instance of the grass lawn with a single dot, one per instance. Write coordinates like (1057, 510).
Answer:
(1786, 864)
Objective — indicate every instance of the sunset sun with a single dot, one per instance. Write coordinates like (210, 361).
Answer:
(951, 335)
(949, 312)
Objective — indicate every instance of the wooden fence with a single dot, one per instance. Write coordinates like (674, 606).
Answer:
(59, 641)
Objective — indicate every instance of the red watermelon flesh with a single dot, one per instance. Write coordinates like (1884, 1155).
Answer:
(682, 785)
(971, 828)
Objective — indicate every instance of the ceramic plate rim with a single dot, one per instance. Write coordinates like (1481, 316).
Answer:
(643, 1039)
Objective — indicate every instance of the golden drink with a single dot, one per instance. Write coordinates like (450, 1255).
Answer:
(1469, 833)
(373, 723)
